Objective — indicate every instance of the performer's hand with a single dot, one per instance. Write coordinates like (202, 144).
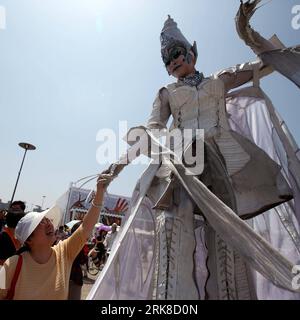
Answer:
(252, 38)
(248, 8)
(111, 172)
(243, 16)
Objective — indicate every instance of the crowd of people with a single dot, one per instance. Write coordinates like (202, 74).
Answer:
(40, 260)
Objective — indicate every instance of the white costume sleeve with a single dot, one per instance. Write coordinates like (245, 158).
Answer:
(161, 111)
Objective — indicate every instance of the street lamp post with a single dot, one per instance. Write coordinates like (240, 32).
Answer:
(26, 146)
(43, 202)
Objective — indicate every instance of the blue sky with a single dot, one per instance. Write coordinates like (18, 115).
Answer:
(69, 68)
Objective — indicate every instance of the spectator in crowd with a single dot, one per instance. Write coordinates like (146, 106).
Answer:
(76, 277)
(85, 267)
(18, 206)
(43, 271)
(61, 234)
(98, 253)
(2, 219)
(110, 237)
(8, 242)
(67, 230)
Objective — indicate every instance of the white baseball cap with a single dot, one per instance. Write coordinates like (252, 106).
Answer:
(30, 221)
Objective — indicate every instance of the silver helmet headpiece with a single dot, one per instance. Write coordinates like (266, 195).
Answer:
(171, 37)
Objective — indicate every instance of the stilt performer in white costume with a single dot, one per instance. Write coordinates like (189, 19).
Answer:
(231, 232)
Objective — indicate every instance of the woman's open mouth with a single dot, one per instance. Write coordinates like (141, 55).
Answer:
(50, 232)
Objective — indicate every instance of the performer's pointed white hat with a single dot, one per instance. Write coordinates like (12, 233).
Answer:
(171, 36)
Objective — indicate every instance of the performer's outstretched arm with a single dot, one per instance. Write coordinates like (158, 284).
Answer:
(241, 74)
(253, 39)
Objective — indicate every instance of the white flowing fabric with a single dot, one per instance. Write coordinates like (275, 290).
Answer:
(128, 272)
(253, 115)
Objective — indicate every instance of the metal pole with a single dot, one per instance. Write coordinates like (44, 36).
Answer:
(43, 202)
(13, 195)
(26, 146)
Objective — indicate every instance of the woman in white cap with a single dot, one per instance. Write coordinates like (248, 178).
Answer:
(43, 271)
